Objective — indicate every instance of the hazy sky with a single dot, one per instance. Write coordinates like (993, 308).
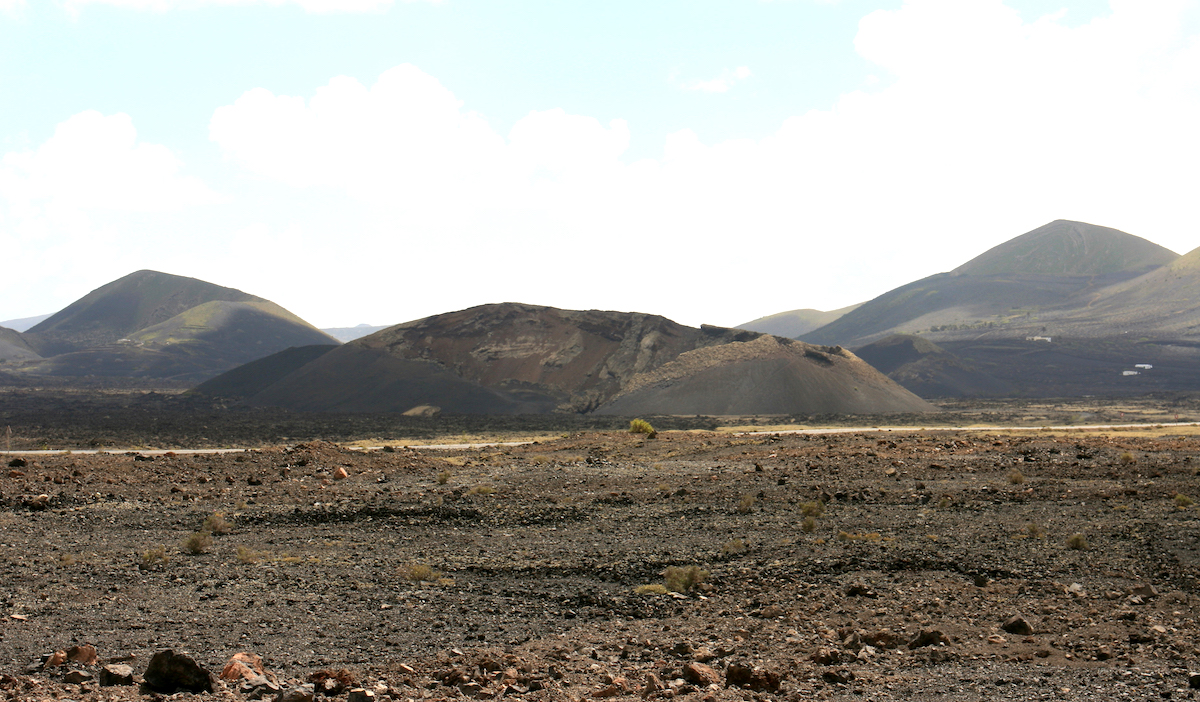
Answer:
(709, 160)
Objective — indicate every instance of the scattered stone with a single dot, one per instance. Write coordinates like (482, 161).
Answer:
(169, 671)
(772, 612)
(75, 677)
(85, 654)
(861, 590)
(340, 474)
(700, 674)
(927, 637)
(358, 694)
(1017, 625)
(116, 674)
(242, 666)
(742, 674)
(653, 685)
(18, 463)
(838, 677)
(303, 693)
(1194, 681)
(53, 660)
(40, 502)
(1145, 592)
(826, 656)
(258, 687)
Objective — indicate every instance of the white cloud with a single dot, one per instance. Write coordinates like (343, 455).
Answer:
(989, 126)
(94, 162)
(315, 6)
(12, 6)
(721, 83)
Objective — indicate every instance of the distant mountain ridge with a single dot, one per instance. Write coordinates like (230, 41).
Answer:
(795, 323)
(1050, 266)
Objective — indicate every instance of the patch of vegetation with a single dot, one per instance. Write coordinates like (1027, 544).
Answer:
(684, 578)
(1077, 542)
(733, 547)
(809, 525)
(654, 589)
(216, 523)
(641, 426)
(248, 555)
(746, 504)
(443, 477)
(1035, 531)
(417, 572)
(1182, 501)
(872, 537)
(1127, 459)
(812, 509)
(481, 490)
(153, 557)
(198, 543)
(1016, 477)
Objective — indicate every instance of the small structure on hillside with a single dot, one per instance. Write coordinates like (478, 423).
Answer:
(1143, 366)
(1039, 338)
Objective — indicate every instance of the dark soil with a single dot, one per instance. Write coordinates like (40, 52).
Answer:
(513, 570)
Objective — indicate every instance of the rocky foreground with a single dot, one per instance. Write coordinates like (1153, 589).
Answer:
(696, 565)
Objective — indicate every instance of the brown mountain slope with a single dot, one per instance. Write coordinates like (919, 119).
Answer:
(767, 375)
(515, 358)
(928, 370)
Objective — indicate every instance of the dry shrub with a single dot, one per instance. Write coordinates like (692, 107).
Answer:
(443, 477)
(216, 523)
(152, 558)
(812, 509)
(1016, 478)
(730, 548)
(809, 525)
(1127, 459)
(1077, 542)
(641, 426)
(417, 572)
(481, 490)
(249, 555)
(746, 504)
(1034, 530)
(684, 578)
(1182, 501)
(198, 543)
(654, 589)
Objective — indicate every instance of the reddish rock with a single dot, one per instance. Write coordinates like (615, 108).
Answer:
(700, 674)
(242, 666)
(927, 637)
(742, 674)
(1018, 625)
(55, 659)
(85, 654)
(340, 474)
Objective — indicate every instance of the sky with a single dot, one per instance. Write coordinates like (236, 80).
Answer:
(713, 161)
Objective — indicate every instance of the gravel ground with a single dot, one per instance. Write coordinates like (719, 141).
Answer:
(866, 566)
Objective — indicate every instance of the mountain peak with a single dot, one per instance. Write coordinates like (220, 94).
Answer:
(1068, 248)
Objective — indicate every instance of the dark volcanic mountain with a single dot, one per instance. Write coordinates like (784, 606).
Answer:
(513, 358)
(929, 370)
(156, 325)
(13, 346)
(1060, 264)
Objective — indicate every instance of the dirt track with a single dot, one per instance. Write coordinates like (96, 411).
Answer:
(923, 548)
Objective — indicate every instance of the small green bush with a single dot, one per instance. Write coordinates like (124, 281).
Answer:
(1077, 542)
(812, 509)
(481, 490)
(730, 548)
(417, 572)
(1127, 459)
(1016, 477)
(443, 477)
(641, 426)
(746, 504)
(809, 525)
(684, 578)
(1182, 501)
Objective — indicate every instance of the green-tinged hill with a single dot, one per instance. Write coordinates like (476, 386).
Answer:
(116, 310)
(928, 370)
(514, 358)
(156, 325)
(1059, 264)
(794, 323)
